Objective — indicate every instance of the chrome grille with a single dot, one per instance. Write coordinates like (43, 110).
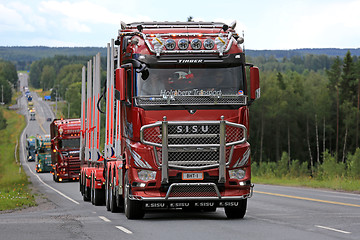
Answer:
(193, 145)
(192, 190)
(191, 100)
(193, 158)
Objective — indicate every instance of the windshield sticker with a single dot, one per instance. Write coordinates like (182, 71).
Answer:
(194, 92)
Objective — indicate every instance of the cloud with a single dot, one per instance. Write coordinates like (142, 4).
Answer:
(327, 26)
(11, 19)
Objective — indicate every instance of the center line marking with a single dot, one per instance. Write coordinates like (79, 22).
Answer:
(309, 199)
(104, 219)
(333, 229)
(124, 229)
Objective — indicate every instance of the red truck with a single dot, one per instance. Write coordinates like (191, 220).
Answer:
(177, 120)
(65, 149)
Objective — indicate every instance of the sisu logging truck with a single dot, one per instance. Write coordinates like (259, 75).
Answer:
(177, 120)
(65, 144)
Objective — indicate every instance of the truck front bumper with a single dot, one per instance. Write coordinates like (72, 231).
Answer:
(193, 195)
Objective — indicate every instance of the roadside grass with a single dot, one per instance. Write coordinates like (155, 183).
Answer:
(347, 184)
(14, 184)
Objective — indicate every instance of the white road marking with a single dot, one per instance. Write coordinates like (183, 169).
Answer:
(55, 190)
(124, 229)
(104, 219)
(333, 229)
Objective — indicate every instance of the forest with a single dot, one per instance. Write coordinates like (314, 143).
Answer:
(308, 115)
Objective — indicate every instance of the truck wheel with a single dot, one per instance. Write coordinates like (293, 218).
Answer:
(133, 208)
(98, 197)
(55, 177)
(107, 195)
(92, 190)
(113, 205)
(86, 195)
(236, 212)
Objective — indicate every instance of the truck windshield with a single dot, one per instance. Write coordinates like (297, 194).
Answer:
(69, 143)
(191, 81)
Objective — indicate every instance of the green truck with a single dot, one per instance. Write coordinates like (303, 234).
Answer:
(43, 153)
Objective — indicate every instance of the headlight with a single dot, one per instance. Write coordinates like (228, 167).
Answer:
(146, 175)
(237, 173)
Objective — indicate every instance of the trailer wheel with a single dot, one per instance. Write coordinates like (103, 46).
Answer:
(237, 212)
(133, 208)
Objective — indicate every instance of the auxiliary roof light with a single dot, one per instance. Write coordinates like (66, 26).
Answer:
(170, 44)
(209, 44)
(196, 44)
(183, 44)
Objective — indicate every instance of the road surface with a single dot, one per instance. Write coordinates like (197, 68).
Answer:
(274, 212)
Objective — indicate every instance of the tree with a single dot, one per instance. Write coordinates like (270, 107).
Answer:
(8, 71)
(73, 98)
(5, 90)
(67, 75)
(47, 77)
(334, 75)
(348, 81)
(3, 122)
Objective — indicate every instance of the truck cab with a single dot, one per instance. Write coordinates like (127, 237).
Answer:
(65, 148)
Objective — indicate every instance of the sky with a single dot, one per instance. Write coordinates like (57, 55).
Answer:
(275, 24)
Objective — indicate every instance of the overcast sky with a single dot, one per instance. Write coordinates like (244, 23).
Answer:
(272, 24)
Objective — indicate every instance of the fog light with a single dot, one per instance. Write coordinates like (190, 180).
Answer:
(242, 183)
(146, 175)
(237, 173)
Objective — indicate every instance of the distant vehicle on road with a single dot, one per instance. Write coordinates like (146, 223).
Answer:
(30, 148)
(65, 149)
(32, 115)
(43, 153)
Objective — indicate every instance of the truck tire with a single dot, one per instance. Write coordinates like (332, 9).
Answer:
(87, 191)
(236, 212)
(133, 208)
(112, 198)
(92, 189)
(98, 197)
(55, 176)
(107, 194)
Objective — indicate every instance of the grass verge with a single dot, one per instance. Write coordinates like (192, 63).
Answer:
(14, 184)
(336, 183)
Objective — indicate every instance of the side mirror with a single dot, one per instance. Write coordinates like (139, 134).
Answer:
(120, 83)
(254, 83)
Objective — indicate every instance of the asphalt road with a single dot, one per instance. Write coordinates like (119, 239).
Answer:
(274, 212)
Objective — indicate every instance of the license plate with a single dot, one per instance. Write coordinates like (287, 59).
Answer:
(192, 176)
